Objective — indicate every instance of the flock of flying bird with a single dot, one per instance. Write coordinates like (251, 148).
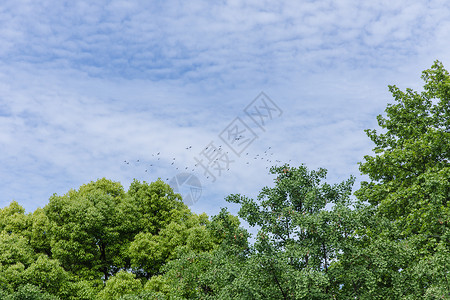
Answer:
(158, 161)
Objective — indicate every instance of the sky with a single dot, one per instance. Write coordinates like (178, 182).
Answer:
(93, 89)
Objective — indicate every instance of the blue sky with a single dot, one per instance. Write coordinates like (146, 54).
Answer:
(86, 86)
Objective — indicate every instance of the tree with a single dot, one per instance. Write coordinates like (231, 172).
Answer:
(207, 263)
(20, 265)
(156, 204)
(300, 235)
(13, 219)
(409, 189)
(86, 228)
(148, 252)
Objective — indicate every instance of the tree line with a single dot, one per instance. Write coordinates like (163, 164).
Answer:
(314, 240)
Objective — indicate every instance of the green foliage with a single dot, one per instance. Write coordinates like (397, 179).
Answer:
(19, 264)
(15, 248)
(39, 232)
(146, 295)
(85, 228)
(410, 171)
(118, 285)
(156, 204)
(47, 274)
(410, 189)
(12, 218)
(304, 224)
(187, 232)
(199, 270)
(83, 289)
(11, 277)
(28, 292)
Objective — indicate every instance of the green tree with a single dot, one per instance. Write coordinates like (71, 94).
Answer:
(86, 228)
(410, 187)
(13, 219)
(148, 252)
(91, 229)
(304, 225)
(20, 265)
(34, 226)
(156, 205)
(207, 263)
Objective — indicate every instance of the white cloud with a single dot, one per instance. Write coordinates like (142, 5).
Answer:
(85, 86)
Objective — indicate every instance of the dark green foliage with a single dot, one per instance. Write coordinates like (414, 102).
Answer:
(304, 225)
(410, 188)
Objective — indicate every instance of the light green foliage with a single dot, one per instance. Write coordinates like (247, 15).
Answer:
(33, 226)
(120, 284)
(28, 292)
(19, 265)
(225, 231)
(11, 277)
(158, 284)
(47, 274)
(15, 248)
(85, 228)
(13, 219)
(82, 289)
(156, 204)
(147, 295)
